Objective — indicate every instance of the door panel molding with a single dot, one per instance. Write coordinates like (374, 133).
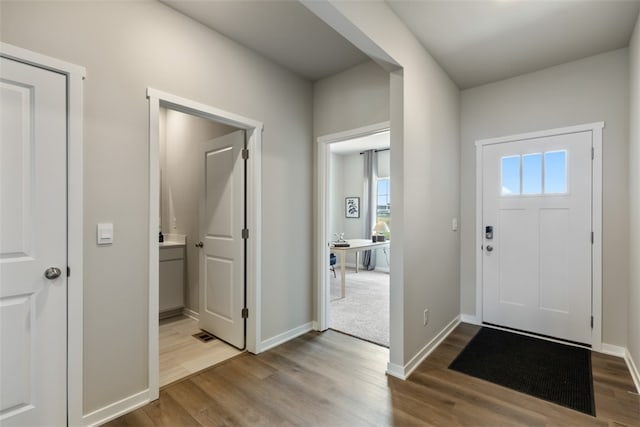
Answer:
(596, 214)
(74, 75)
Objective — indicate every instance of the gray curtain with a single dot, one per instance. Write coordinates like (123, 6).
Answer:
(369, 205)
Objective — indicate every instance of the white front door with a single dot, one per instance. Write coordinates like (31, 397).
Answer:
(33, 245)
(537, 235)
(222, 220)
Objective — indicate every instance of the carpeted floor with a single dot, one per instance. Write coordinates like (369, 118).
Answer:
(364, 312)
(548, 370)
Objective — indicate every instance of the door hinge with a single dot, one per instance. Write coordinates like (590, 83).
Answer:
(593, 153)
(245, 233)
(245, 313)
(592, 237)
(68, 271)
(245, 153)
(591, 322)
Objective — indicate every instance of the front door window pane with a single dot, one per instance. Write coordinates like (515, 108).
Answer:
(555, 172)
(510, 175)
(532, 173)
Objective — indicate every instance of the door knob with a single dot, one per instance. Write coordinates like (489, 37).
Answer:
(52, 273)
(199, 245)
(489, 248)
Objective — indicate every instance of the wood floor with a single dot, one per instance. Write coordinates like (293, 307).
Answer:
(182, 355)
(330, 379)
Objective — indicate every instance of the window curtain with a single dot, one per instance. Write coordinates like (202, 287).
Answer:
(369, 204)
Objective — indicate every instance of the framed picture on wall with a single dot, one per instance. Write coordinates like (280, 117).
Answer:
(352, 207)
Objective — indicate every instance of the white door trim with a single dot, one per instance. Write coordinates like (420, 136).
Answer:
(322, 207)
(254, 128)
(75, 75)
(596, 215)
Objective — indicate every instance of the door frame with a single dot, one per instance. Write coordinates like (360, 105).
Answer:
(596, 217)
(74, 76)
(322, 207)
(253, 208)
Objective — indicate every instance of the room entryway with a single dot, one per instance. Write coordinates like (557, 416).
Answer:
(356, 291)
(206, 205)
(537, 234)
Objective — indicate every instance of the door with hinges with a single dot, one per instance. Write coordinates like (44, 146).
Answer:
(536, 235)
(33, 245)
(222, 230)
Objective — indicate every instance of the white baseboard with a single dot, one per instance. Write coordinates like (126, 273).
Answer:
(470, 318)
(114, 410)
(396, 371)
(403, 372)
(285, 336)
(190, 313)
(633, 369)
(612, 350)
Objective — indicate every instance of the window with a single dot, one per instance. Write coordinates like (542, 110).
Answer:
(532, 174)
(383, 207)
(537, 173)
(555, 172)
(511, 175)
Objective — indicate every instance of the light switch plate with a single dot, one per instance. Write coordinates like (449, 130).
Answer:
(104, 233)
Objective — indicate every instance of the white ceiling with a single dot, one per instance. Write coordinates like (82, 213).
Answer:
(483, 41)
(282, 30)
(377, 141)
(475, 41)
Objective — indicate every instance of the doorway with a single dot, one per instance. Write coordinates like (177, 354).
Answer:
(201, 200)
(353, 282)
(225, 124)
(539, 201)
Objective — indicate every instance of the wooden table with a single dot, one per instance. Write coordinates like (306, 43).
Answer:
(355, 245)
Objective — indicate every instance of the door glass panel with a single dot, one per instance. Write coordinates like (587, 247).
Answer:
(510, 175)
(555, 172)
(532, 173)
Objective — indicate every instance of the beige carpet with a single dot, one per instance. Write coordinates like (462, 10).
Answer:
(364, 312)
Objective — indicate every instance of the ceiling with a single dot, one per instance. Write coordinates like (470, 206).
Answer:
(377, 141)
(284, 31)
(479, 42)
(475, 41)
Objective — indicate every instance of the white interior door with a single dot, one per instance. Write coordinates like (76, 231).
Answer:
(222, 220)
(537, 264)
(33, 240)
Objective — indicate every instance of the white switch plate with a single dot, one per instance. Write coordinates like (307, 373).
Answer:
(104, 233)
(454, 224)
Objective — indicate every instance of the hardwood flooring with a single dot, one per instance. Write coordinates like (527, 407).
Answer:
(330, 379)
(182, 355)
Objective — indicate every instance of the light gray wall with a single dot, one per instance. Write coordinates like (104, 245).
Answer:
(425, 170)
(180, 196)
(127, 47)
(351, 99)
(589, 90)
(633, 333)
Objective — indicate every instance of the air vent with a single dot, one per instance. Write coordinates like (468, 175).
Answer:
(204, 336)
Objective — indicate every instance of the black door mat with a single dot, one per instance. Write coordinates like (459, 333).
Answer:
(551, 371)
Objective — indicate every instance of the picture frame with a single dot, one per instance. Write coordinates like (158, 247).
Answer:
(352, 207)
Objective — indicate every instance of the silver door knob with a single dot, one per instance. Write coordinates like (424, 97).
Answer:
(199, 245)
(52, 273)
(489, 248)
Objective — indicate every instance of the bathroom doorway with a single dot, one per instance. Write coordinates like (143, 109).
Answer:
(186, 344)
(199, 169)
